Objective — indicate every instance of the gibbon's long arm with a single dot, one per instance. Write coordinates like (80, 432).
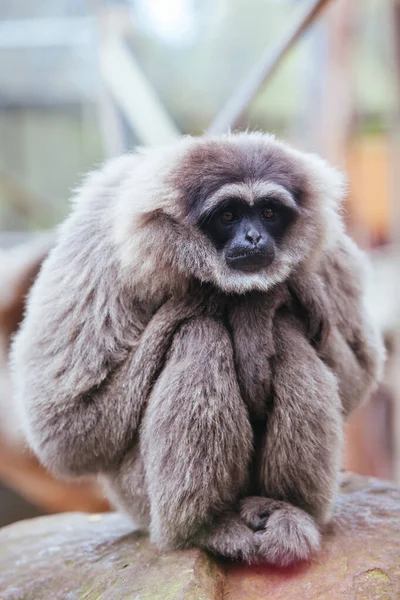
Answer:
(303, 442)
(354, 348)
(84, 363)
(351, 345)
(196, 438)
(79, 361)
(73, 358)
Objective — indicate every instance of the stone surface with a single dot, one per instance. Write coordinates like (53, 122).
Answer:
(98, 557)
(87, 557)
(360, 557)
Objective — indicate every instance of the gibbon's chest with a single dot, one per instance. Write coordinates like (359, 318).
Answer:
(250, 323)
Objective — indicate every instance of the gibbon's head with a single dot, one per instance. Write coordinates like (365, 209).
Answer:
(240, 211)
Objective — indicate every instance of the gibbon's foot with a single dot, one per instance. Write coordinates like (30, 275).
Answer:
(229, 537)
(285, 534)
(265, 531)
(256, 510)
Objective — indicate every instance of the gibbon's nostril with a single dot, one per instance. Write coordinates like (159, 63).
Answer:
(253, 236)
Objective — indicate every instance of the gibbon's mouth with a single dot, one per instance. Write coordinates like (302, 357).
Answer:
(250, 261)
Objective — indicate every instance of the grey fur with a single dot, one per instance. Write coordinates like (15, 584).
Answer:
(210, 402)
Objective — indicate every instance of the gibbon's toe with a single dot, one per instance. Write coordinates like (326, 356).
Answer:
(290, 536)
(256, 510)
(230, 538)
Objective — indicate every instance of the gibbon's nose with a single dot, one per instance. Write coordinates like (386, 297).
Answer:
(253, 236)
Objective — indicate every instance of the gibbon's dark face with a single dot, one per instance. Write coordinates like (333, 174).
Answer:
(247, 235)
(253, 210)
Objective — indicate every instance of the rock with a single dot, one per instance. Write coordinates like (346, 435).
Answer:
(75, 556)
(360, 557)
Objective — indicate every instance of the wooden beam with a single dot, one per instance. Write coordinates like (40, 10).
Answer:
(134, 94)
(330, 97)
(264, 68)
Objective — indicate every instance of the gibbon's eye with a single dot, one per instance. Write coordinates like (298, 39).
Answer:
(268, 213)
(228, 217)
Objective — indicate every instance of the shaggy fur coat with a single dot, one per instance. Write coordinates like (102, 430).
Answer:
(211, 402)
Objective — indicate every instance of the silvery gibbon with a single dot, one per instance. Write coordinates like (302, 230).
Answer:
(196, 338)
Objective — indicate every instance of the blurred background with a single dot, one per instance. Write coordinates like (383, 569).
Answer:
(84, 80)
